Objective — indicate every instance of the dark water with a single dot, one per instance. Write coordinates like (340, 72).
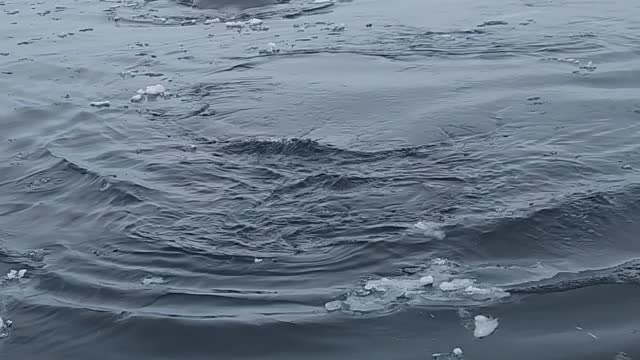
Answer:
(284, 197)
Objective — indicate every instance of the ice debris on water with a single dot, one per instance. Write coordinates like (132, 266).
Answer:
(254, 22)
(456, 284)
(456, 354)
(272, 48)
(431, 229)
(153, 280)
(4, 327)
(155, 90)
(16, 274)
(104, 103)
(333, 305)
(484, 326)
(149, 91)
(257, 260)
(211, 21)
(627, 167)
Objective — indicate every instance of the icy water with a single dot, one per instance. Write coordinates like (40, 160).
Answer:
(320, 180)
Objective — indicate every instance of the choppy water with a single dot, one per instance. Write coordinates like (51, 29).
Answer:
(301, 178)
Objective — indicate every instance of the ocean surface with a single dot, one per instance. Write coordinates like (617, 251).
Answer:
(365, 179)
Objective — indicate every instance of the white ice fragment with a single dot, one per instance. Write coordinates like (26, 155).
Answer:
(12, 274)
(151, 280)
(486, 293)
(322, 1)
(104, 103)
(211, 21)
(456, 284)
(16, 274)
(485, 326)
(333, 305)
(140, 92)
(253, 22)
(136, 98)
(426, 280)
(234, 24)
(431, 229)
(457, 351)
(155, 90)
(257, 260)
(627, 167)
(272, 48)
(4, 328)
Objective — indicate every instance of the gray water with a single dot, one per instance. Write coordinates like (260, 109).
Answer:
(299, 176)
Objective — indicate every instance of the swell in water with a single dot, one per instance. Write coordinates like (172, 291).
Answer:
(300, 176)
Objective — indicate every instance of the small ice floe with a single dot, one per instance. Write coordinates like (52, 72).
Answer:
(100, 104)
(4, 327)
(271, 49)
(257, 260)
(431, 229)
(153, 280)
(333, 305)
(155, 90)
(586, 332)
(402, 285)
(212, 21)
(136, 98)
(627, 167)
(456, 354)
(254, 22)
(322, 1)
(456, 284)
(479, 293)
(484, 326)
(16, 274)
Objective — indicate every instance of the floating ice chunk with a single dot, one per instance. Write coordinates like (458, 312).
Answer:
(254, 22)
(486, 293)
(4, 327)
(136, 98)
(234, 24)
(100, 104)
(426, 280)
(153, 280)
(431, 229)
(257, 260)
(155, 90)
(211, 21)
(456, 354)
(16, 274)
(456, 284)
(333, 305)
(627, 167)
(485, 326)
(322, 1)
(397, 285)
(272, 48)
